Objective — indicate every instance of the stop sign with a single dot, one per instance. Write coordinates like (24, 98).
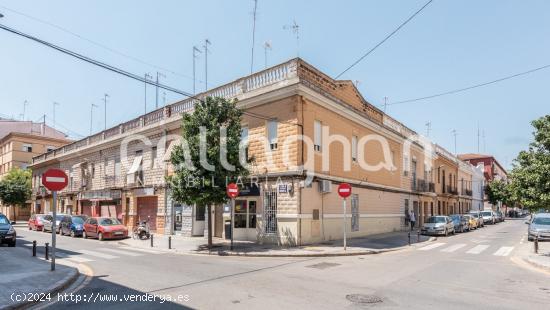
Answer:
(232, 190)
(344, 190)
(54, 179)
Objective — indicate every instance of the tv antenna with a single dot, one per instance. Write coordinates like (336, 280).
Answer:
(295, 28)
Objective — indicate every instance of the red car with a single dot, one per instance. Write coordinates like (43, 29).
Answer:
(104, 228)
(36, 222)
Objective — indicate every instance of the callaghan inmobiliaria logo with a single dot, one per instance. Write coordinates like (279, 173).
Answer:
(355, 151)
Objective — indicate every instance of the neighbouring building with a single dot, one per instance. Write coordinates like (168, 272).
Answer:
(341, 137)
(492, 170)
(20, 141)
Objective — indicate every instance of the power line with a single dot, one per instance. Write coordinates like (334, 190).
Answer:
(95, 62)
(112, 50)
(384, 40)
(473, 86)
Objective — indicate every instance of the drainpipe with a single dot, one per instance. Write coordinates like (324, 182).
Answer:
(299, 219)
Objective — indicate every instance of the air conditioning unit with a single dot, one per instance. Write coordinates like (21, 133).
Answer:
(325, 186)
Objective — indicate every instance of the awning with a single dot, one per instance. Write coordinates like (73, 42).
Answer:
(135, 165)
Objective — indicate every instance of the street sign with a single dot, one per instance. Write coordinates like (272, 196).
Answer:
(344, 190)
(232, 190)
(54, 179)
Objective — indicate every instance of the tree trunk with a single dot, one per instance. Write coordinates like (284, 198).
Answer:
(209, 226)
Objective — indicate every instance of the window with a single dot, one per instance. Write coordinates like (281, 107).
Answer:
(354, 212)
(92, 168)
(105, 165)
(27, 148)
(354, 148)
(117, 167)
(244, 140)
(154, 156)
(245, 214)
(270, 212)
(23, 166)
(317, 135)
(49, 148)
(406, 165)
(272, 134)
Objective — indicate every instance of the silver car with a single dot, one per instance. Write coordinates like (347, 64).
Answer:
(48, 222)
(488, 217)
(539, 226)
(438, 225)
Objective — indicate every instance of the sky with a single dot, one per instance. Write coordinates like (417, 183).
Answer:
(449, 45)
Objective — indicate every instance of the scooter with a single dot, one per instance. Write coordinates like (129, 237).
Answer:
(141, 231)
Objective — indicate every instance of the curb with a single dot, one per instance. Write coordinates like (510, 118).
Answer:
(59, 286)
(536, 265)
(357, 253)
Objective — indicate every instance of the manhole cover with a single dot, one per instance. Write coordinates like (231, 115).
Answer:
(363, 298)
(323, 265)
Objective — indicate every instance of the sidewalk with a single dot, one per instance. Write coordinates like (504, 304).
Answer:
(23, 274)
(540, 260)
(357, 246)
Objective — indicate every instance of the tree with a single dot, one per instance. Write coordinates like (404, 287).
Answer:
(15, 187)
(498, 191)
(193, 182)
(530, 176)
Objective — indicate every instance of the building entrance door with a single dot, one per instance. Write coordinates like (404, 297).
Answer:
(245, 219)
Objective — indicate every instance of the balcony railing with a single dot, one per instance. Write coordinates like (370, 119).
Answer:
(452, 190)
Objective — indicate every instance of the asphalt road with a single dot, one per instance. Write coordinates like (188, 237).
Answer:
(475, 270)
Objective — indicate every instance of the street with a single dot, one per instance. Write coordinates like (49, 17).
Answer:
(474, 269)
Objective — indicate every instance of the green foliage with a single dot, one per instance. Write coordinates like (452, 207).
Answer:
(530, 175)
(212, 114)
(15, 187)
(498, 190)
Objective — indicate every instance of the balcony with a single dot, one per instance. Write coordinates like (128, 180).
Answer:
(451, 190)
(420, 185)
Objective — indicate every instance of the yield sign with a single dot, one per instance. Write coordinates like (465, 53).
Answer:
(54, 179)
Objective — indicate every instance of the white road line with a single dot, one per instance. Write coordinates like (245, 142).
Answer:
(453, 248)
(120, 252)
(432, 246)
(139, 250)
(97, 254)
(504, 251)
(478, 249)
(79, 259)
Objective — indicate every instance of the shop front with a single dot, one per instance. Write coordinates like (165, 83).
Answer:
(246, 211)
(105, 203)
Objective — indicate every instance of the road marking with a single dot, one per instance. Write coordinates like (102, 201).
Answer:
(478, 249)
(432, 246)
(453, 248)
(79, 259)
(139, 250)
(504, 251)
(120, 252)
(98, 254)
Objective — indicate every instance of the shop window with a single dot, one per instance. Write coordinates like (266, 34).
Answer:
(252, 214)
(240, 213)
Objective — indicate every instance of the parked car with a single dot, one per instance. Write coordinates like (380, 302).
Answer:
(461, 224)
(7, 232)
(48, 219)
(499, 216)
(104, 228)
(478, 217)
(539, 226)
(73, 225)
(438, 225)
(36, 222)
(488, 217)
(471, 221)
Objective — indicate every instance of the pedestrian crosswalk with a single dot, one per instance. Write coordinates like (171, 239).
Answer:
(502, 251)
(102, 253)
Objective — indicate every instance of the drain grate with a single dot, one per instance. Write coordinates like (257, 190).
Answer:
(323, 265)
(363, 299)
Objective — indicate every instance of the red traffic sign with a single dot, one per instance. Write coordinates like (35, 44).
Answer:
(55, 179)
(344, 190)
(232, 190)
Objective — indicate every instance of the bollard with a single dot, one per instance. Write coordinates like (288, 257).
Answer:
(34, 248)
(536, 243)
(151, 240)
(409, 235)
(169, 242)
(418, 236)
(46, 250)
